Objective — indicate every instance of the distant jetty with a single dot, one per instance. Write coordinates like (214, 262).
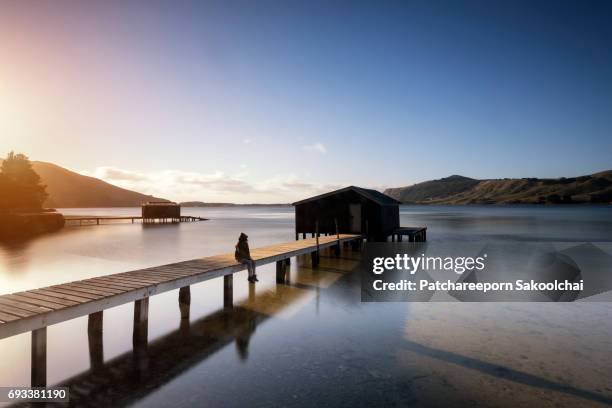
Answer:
(203, 204)
(104, 219)
(153, 212)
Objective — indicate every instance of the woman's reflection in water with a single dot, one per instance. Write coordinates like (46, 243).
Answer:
(244, 337)
(248, 324)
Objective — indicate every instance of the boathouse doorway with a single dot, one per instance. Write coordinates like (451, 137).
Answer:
(355, 214)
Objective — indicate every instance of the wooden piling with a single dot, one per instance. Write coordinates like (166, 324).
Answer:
(337, 246)
(184, 301)
(281, 271)
(96, 344)
(39, 358)
(314, 257)
(228, 291)
(141, 321)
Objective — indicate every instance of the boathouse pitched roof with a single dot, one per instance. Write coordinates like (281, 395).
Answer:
(376, 196)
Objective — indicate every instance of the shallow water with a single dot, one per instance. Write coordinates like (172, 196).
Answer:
(312, 341)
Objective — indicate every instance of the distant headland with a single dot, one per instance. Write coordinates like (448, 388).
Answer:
(593, 189)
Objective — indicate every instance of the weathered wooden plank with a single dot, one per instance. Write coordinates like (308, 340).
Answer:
(115, 286)
(34, 301)
(191, 267)
(116, 282)
(88, 286)
(157, 281)
(184, 270)
(58, 297)
(136, 279)
(90, 289)
(47, 298)
(172, 270)
(6, 317)
(72, 291)
(5, 300)
(90, 283)
(156, 277)
(209, 265)
(122, 282)
(15, 311)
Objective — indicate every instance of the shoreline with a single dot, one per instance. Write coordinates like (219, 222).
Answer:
(24, 225)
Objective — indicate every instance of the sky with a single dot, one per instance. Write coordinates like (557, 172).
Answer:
(276, 101)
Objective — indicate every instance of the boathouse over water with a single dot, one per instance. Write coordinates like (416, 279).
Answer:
(161, 210)
(348, 210)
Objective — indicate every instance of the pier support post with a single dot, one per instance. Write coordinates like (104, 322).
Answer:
(39, 358)
(314, 256)
(96, 344)
(184, 301)
(252, 293)
(228, 291)
(141, 322)
(184, 307)
(282, 270)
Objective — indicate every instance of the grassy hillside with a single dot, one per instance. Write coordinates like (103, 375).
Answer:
(595, 188)
(432, 190)
(69, 189)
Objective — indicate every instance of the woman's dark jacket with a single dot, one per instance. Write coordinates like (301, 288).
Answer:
(242, 251)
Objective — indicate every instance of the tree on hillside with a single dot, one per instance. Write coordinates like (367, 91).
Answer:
(20, 187)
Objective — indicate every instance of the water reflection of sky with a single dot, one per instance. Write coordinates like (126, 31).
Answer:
(312, 341)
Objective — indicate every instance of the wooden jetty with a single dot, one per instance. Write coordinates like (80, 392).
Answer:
(36, 309)
(93, 219)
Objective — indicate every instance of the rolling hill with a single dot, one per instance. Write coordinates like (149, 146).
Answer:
(68, 189)
(594, 188)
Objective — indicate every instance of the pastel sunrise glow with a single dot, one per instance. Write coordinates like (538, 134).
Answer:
(261, 102)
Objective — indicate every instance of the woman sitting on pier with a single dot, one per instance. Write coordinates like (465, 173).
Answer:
(243, 255)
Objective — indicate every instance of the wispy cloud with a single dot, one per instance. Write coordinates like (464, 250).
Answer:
(211, 187)
(316, 147)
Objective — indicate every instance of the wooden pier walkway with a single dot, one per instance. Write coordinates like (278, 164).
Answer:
(34, 310)
(89, 220)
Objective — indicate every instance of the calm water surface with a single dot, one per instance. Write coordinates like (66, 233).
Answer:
(312, 341)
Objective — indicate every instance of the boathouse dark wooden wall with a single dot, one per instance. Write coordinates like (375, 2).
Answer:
(355, 209)
(157, 209)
